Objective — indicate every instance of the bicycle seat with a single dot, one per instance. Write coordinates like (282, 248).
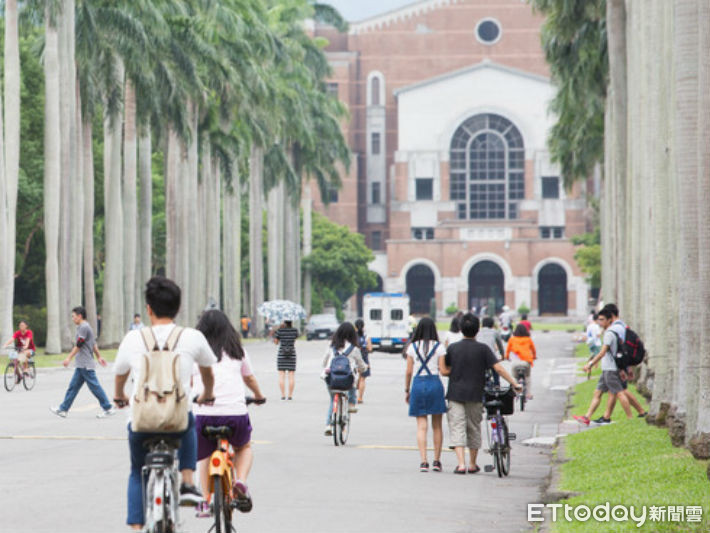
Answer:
(216, 432)
(494, 403)
(169, 442)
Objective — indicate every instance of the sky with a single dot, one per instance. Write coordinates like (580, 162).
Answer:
(354, 10)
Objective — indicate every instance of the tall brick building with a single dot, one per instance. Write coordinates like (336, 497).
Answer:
(451, 181)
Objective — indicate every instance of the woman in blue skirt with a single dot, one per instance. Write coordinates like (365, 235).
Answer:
(425, 393)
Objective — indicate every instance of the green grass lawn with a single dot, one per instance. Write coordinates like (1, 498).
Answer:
(629, 463)
(48, 361)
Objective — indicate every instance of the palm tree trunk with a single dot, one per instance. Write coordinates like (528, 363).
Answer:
(52, 181)
(272, 242)
(130, 208)
(113, 313)
(231, 249)
(172, 223)
(89, 283)
(686, 166)
(211, 223)
(195, 261)
(699, 443)
(10, 145)
(291, 242)
(256, 260)
(307, 245)
(145, 217)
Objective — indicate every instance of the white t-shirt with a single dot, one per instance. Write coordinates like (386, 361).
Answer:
(229, 390)
(192, 347)
(433, 363)
(452, 337)
(609, 360)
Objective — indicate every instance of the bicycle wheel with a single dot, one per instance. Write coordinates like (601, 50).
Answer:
(344, 420)
(504, 448)
(28, 380)
(10, 378)
(218, 505)
(334, 417)
(523, 394)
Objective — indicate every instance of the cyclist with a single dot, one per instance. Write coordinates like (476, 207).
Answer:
(345, 343)
(231, 373)
(24, 343)
(162, 298)
(365, 349)
(521, 353)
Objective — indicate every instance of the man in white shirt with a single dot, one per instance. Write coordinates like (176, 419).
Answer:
(162, 304)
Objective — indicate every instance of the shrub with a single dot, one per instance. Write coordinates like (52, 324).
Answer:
(523, 309)
(452, 309)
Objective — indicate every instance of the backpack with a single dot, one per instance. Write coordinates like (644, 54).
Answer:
(630, 351)
(341, 375)
(160, 405)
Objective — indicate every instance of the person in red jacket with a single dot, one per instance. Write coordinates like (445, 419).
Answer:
(521, 353)
(24, 343)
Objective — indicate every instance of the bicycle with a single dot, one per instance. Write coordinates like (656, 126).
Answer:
(340, 418)
(160, 479)
(14, 374)
(499, 402)
(520, 377)
(222, 476)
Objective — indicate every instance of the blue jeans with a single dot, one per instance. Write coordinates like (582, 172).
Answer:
(187, 454)
(80, 376)
(352, 400)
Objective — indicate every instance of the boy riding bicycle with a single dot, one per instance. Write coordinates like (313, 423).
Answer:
(24, 344)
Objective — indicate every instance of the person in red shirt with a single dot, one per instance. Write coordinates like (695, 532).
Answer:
(525, 322)
(24, 343)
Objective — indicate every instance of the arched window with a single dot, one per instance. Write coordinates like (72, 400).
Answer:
(487, 168)
(375, 90)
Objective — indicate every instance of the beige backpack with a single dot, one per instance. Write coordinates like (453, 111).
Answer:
(160, 404)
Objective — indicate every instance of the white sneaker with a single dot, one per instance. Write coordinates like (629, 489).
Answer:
(107, 413)
(352, 409)
(57, 411)
(328, 431)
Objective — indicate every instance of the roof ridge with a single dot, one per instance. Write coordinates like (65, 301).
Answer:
(398, 14)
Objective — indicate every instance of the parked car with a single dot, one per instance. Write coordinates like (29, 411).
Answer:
(321, 327)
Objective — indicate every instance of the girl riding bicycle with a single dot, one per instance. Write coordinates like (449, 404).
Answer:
(521, 352)
(231, 373)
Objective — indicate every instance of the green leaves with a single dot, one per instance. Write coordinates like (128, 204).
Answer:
(575, 44)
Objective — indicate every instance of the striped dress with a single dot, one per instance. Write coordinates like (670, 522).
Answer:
(286, 359)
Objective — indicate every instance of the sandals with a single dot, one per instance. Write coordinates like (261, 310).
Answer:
(437, 466)
(458, 470)
(424, 467)
(475, 470)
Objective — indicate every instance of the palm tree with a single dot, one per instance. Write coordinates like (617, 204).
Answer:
(10, 160)
(52, 179)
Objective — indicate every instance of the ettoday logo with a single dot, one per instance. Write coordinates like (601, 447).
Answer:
(617, 513)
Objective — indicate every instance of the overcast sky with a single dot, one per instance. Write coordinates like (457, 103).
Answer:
(354, 10)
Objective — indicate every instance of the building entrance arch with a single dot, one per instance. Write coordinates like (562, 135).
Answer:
(552, 290)
(486, 287)
(420, 288)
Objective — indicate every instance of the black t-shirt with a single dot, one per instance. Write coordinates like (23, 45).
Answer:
(468, 360)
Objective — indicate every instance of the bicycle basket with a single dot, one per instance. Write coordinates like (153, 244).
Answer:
(505, 397)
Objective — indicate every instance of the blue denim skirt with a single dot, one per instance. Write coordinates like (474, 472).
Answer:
(426, 396)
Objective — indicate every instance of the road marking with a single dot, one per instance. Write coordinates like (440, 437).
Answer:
(389, 447)
(83, 437)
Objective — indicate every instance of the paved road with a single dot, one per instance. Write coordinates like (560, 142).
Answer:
(70, 474)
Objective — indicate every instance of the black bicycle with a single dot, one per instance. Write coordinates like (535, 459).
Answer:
(499, 402)
(340, 419)
(520, 377)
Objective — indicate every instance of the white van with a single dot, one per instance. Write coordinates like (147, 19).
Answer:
(386, 316)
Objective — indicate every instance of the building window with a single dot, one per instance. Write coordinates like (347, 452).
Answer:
(376, 240)
(332, 195)
(487, 165)
(375, 144)
(331, 88)
(376, 199)
(423, 234)
(488, 31)
(424, 188)
(552, 232)
(551, 187)
(375, 91)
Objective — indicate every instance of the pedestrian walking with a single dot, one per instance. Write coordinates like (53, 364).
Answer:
(466, 363)
(162, 297)
(286, 337)
(85, 372)
(232, 373)
(424, 391)
(454, 334)
(365, 349)
(521, 353)
(245, 323)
